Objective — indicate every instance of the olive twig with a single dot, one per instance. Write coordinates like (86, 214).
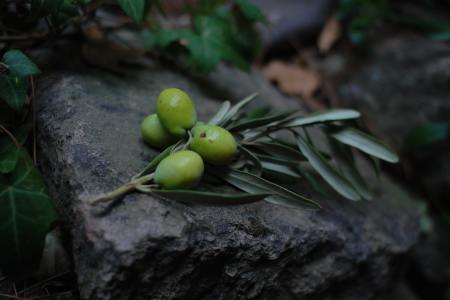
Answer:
(146, 188)
(188, 141)
(124, 189)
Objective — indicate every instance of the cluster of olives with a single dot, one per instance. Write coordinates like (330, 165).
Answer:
(175, 116)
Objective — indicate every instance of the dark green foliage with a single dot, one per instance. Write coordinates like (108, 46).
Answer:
(13, 91)
(133, 8)
(25, 209)
(9, 151)
(218, 32)
(250, 11)
(428, 134)
(13, 85)
(362, 15)
(19, 65)
(25, 216)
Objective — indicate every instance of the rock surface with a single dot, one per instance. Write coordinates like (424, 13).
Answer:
(150, 248)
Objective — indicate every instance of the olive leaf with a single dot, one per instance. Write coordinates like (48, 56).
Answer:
(262, 121)
(280, 169)
(322, 117)
(236, 108)
(365, 143)
(25, 216)
(151, 166)
(327, 171)
(312, 180)
(257, 167)
(278, 150)
(258, 112)
(210, 198)
(278, 160)
(221, 113)
(254, 184)
(344, 157)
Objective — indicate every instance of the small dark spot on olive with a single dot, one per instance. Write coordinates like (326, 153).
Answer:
(203, 134)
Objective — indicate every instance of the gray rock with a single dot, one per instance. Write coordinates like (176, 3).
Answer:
(402, 84)
(146, 247)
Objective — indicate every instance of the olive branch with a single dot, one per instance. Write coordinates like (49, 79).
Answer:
(267, 163)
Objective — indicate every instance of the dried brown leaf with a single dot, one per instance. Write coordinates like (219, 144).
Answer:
(292, 79)
(331, 32)
(93, 32)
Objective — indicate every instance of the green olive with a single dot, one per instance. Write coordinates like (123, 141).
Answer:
(176, 111)
(182, 169)
(155, 134)
(215, 144)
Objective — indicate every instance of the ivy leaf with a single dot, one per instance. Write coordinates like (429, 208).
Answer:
(254, 184)
(13, 91)
(327, 171)
(211, 43)
(321, 117)
(365, 143)
(25, 216)
(210, 198)
(133, 8)
(162, 38)
(251, 11)
(9, 152)
(19, 64)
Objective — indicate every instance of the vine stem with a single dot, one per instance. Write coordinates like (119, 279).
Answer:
(122, 190)
(11, 136)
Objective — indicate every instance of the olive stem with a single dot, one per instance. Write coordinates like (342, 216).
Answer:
(122, 190)
(188, 141)
(146, 188)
